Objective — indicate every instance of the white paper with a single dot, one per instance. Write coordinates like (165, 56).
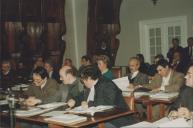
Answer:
(177, 123)
(67, 119)
(143, 124)
(90, 110)
(122, 83)
(52, 105)
(164, 96)
(54, 113)
(3, 102)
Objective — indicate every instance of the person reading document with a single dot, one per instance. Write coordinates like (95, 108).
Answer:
(100, 91)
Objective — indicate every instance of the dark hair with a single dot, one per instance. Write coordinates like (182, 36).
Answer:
(41, 71)
(72, 70)
(163, 63)
(141, 58)
(50, 62)
(159, 56)
(87, 58)
(90, 71)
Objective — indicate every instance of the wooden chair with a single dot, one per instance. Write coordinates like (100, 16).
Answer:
(117, 72)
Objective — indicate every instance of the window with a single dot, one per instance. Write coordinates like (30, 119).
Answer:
(156, 35)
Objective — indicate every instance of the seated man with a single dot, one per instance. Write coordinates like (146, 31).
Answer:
(7, 75)
(50, 68)
(43, 88)
(100, 91)
(136, 77)
(166, 80)
(183, 106)
(71, 86)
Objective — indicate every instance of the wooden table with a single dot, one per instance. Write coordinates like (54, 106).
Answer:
(99, 119)
(149, 104)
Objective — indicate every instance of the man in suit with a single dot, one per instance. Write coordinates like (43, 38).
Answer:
(136, 77)
(71, 86)
(43, 88)
(188, 51)
(100, 91)
(175, 47)
(7, 75)
(183, 106)
(49, 66)
(166, 79)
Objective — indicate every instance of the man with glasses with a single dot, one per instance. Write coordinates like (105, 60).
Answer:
(184, 103)
(42, 89)
(100, 91)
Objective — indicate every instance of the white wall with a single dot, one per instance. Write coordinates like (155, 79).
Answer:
(76, 25)
(133, 11)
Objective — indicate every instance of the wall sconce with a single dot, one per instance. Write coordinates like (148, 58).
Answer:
(154, 2)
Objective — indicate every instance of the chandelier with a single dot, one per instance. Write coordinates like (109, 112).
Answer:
(154, 2)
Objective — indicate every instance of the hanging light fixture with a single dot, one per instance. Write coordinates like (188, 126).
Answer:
(154, 2)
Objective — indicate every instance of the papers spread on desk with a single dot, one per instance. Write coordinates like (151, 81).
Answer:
(24, 87)
(164, 96)
(68, 119)
(122, 83)
(3, 102)
(91, 110)
(53, 113)
(177, 123)
(163, 123)
(52, 105)
(143, 124)
(32, 111)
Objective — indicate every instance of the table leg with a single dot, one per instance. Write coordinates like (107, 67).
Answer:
(161, 110)
(149, 112)
(101, 125)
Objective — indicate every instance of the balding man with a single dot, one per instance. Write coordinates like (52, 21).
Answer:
(71, 85)
(136, 77)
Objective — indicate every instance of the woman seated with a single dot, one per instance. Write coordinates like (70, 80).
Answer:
(103, 63)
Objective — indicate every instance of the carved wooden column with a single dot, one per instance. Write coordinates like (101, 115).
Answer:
(103, 26)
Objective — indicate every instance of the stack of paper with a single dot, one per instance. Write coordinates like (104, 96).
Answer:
(143, 124)
(3, 102)
(91, 110)
(164, 96)
(122, 83)
(68, 119)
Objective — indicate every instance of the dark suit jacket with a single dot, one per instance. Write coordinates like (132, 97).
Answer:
(106, 93)
(184, 99)
(175, 82)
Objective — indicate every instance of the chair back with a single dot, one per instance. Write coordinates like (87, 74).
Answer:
(117, 72)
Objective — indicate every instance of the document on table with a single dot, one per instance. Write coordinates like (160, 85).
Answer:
(32, 111)
(3, 102)
(164, 96)
(91, 110)
(122, 83)
(53, 113)
(68, 119)
(162, 123)
(143, 124)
